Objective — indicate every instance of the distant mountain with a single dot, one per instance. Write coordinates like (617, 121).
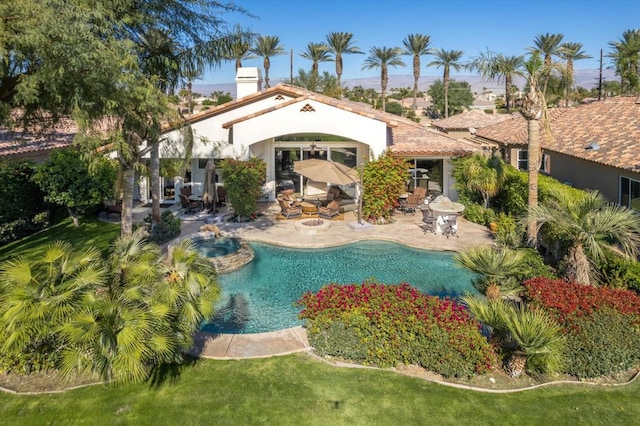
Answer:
(584, 78)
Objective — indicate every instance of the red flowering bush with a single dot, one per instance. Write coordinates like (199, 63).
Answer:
(601, 324)
(388, 324)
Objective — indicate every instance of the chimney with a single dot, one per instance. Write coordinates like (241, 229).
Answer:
(248, 81)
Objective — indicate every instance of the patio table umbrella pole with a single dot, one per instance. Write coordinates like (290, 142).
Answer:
(210, 194)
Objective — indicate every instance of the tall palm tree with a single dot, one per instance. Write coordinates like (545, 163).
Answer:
(237, 45)
(626, 58)
(446, 59)
(316, 53)
(341, 43)
(499, 67)
(416, 45)
(588, 224)
(546, 45)
(570, 52)
(266, 47)
(382, 58)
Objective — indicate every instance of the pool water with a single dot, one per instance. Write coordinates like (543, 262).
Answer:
(215, 247)
(260, 296)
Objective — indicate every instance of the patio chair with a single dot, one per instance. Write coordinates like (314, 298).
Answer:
(421, 193)
(429, 221)
(330, 211)
(188, 205)
(289, 211)
(451, 226)
(287, 195)
(221, 192)
(413, 200)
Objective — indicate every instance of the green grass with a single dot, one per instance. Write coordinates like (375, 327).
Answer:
(297, 389)
(91, 231)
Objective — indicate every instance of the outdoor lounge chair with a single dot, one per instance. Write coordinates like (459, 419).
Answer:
(188, 205)
(330, 211)
(413, 200)
(289, 211)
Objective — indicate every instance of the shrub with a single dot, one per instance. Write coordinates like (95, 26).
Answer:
(618, 272)
(243, 181)
(475, 213)
(601, 324)
(507, 233)
(389, 324)
(384, 180)
(533, 265)
(165, 230)
(602, 343)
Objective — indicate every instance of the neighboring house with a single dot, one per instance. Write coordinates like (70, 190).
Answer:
(595, 146)
(284, 123)
(466, 124)
(33, 144)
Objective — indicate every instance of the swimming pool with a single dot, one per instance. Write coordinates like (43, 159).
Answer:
(260, 296)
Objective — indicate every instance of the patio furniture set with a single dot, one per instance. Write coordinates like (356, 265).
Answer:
(439, 216)
(327, 207)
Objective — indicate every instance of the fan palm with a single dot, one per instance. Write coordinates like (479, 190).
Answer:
(446, 59)
(497, 267)
(589, 224)
(266, 47)
(416, 45)
(341, 43)
(37, 297)
(499, 67)
(570, 52)
(316, 53)
(382, 58)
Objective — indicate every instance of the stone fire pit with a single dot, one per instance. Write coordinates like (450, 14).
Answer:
(312, 226)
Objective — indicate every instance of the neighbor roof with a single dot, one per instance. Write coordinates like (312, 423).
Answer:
(22, 143)
(613, 124)
(476, 119)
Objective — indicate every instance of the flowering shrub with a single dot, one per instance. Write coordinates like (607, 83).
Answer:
(388, 324)
(601, 324)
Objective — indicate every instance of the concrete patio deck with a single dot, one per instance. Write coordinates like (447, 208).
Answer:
(269, 229)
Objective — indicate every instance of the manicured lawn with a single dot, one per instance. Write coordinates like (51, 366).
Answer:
(90, 232)
(297, 389)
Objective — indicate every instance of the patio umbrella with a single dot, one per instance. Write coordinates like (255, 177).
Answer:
(209, 196)
(326, 171)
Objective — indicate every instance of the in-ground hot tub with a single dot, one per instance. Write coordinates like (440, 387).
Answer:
(226, 254)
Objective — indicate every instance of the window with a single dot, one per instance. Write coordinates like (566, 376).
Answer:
(545, 164)
(523, 159)
(630, 193)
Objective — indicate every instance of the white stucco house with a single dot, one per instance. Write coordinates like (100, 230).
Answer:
(285, 123)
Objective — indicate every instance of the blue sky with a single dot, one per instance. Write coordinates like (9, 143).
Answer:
(504, 26)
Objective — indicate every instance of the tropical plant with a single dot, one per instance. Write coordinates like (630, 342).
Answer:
(588, 224)
(416, 45)
(237, 45)
(38, 297)
(547, 46)
(625, 54)
(69, 180)
(266, 47)
(500, 67)
(446, 59)
(570, 52)
(341, 43)
(497, 267)
(243, 181)
(382, 58)
(480, 174)
(326, 83)
(316, 53)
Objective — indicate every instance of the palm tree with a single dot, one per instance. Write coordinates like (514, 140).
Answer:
(39, 296)
(416, 45)
(588, 224)
(383, 58)
(446, 59)
(341, 43)
(626, 58)
(570, 52)
(499, 67)
(497, 268)
(237, 45)
(316, 53)
(265, 47)
(547, 45)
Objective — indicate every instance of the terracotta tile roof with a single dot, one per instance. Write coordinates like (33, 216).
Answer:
(413, 139)
(14, 142)
(474, 118)
(614, 124)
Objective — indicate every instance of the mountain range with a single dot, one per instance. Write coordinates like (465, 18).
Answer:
(584, 78)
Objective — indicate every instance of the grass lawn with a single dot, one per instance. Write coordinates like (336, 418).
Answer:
(91, 231)
(297, 389)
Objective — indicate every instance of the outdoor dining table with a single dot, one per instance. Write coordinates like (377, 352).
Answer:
(442, 210)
